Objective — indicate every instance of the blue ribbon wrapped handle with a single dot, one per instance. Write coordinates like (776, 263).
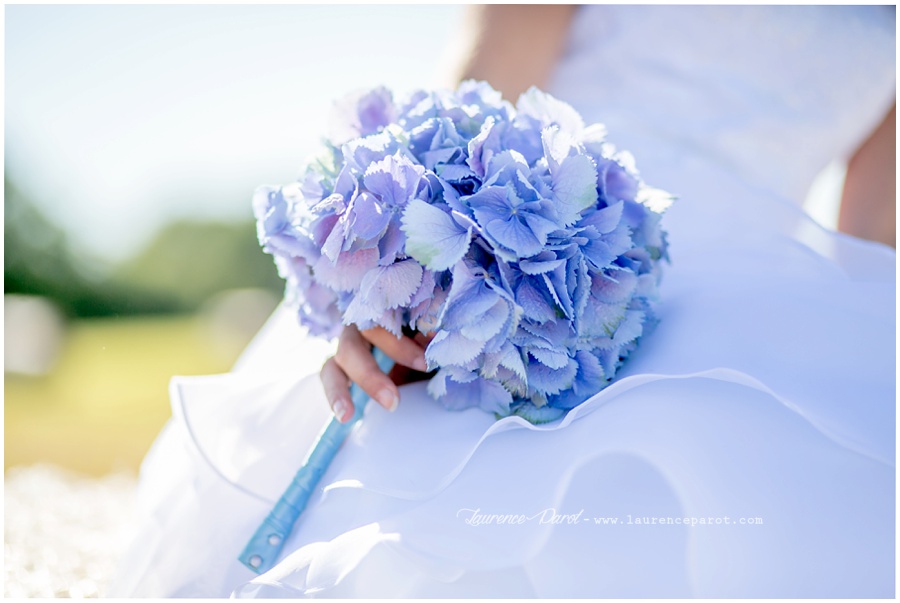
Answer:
(264, 548)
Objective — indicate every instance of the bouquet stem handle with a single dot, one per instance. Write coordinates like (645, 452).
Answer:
(265, 546)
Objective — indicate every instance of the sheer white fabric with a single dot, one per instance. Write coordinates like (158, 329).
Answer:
(765, 393)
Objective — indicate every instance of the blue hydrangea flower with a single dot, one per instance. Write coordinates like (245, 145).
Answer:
(517, 236)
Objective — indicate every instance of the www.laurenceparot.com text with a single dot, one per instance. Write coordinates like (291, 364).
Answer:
(551, 516)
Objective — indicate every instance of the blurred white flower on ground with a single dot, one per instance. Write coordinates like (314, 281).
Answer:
(64, 532)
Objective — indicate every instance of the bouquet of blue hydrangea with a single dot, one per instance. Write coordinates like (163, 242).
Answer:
(520, 240)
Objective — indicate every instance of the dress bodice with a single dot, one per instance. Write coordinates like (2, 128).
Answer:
(769, 93)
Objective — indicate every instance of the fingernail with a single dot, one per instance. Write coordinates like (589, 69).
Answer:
(387, 399)
(341, 408)
(420, 365)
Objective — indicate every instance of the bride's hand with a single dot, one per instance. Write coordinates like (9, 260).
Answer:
(353, 362)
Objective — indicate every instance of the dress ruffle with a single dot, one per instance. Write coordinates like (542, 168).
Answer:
(766, 391)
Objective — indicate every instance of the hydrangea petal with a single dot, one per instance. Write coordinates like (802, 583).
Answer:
(548, 110)
(470, 296)
(552, 358)
(490, 203)
(548, 381)
(454, 173)
(334, 243)
(557, 286)
(630, 328)
(361, 113)
(347, 273)
(321, 227)
(425, 317)
(392, 321)
(391, 244)
(617, 177)
(558, 146)
(391, 286)
(450, 347)
(359, 312)
(512, 359)
(533, 303)
(600, 319)
(270, 209)
(540, 267)
(514, 235)
(590, 373)
(360, 153)
(370, 217)
(573, 188)
(615, 286)
(606, 219)
(488, 395)
(539, 225)
(483, 146)
(433, 237)
(654, 199)
(395, 179)
(506, 167)
(488, 324)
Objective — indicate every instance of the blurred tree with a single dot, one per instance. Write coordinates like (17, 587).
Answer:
(189, 261)
(38, 261)
(182, 267)
(34, 248)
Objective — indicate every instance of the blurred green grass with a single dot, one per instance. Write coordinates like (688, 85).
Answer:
(101, 406)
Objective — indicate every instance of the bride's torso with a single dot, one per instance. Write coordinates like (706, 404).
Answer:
(770, 94)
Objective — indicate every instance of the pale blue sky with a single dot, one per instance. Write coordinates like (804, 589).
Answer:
(121, 117)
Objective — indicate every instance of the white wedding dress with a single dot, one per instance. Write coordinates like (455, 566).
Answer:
(761, 409)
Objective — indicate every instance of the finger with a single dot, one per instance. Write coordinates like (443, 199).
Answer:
(404, 350)
(337, 390)
(354, 357)
(423, 340)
